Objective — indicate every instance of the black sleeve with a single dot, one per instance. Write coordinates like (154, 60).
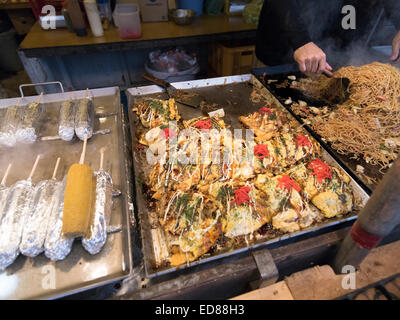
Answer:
(392, 9)
(293, 28)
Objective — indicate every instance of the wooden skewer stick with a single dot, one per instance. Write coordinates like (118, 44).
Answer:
(40, 97)
(102, 150)
(87, 92)
(34, 166)
(19, 102)
(56, 168)
(82, 160)
(3, 182)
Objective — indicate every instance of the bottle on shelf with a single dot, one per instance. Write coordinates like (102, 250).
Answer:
(105, 13)
(93, 15)
(67, 18)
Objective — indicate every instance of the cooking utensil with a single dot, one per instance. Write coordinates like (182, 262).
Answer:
(328, 73)
(190, 100)
(336, 91)
(183, 16)
(332, 90)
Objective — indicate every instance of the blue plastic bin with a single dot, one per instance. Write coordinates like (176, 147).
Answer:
(196, 5)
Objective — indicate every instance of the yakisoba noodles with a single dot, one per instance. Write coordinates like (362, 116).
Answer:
(367, 125)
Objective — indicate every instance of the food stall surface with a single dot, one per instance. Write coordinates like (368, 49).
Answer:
(229, 276)
(38, 40)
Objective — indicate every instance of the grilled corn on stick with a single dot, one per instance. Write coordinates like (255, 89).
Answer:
(84, 118)
(56, 245)
(66, 122)
(78, 198)
(35, 230)
(96, 235)
(4, 191)
(18, 205)
(27, 131)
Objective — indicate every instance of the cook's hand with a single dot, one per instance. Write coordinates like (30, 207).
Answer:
(396, 47)
(311, 59)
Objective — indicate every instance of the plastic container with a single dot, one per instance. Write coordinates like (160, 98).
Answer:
(93, 15)
(9, 60)
(127, 19)
(196, 5)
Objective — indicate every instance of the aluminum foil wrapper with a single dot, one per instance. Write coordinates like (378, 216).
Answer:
(56, 246)
(3, 197)
(66, 121)
(97, 235)
(8, 127)
(84, 118)
(3, 112)
(35, 229)
(18, 205)
(27, 128)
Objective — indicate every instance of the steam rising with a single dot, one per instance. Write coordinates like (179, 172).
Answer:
(346, 47)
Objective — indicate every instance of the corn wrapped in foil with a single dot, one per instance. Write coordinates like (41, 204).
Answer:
(3, 197)
(8, 126)
(84, 118)
(18, 205)
(66, 121)
(3, 112)
(27, 128)
(96, 236)
(35, 229)
(56, 246)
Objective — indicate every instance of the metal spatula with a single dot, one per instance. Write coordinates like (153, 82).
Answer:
(334, 90)
(192, 100)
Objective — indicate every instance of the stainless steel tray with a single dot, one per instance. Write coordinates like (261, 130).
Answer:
(232, 94)
(31, 278)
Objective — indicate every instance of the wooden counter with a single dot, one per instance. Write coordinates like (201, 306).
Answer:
(40, 42)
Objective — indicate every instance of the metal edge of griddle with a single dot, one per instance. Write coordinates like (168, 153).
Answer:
(261, 245)
(57, 97)
(96, 93)
(317, 137)
(149, 90)
(144, 223)
(124, 188)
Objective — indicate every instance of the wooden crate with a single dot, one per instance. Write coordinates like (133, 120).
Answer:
(227, 59)
(22, 20)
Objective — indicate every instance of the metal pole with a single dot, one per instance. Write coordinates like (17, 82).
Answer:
(375, 221)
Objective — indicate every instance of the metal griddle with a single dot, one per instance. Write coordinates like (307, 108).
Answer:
(346, 160)
(232, 94)
(28, 278)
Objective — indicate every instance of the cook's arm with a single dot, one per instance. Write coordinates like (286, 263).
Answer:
(392, 8)
(307, 54)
